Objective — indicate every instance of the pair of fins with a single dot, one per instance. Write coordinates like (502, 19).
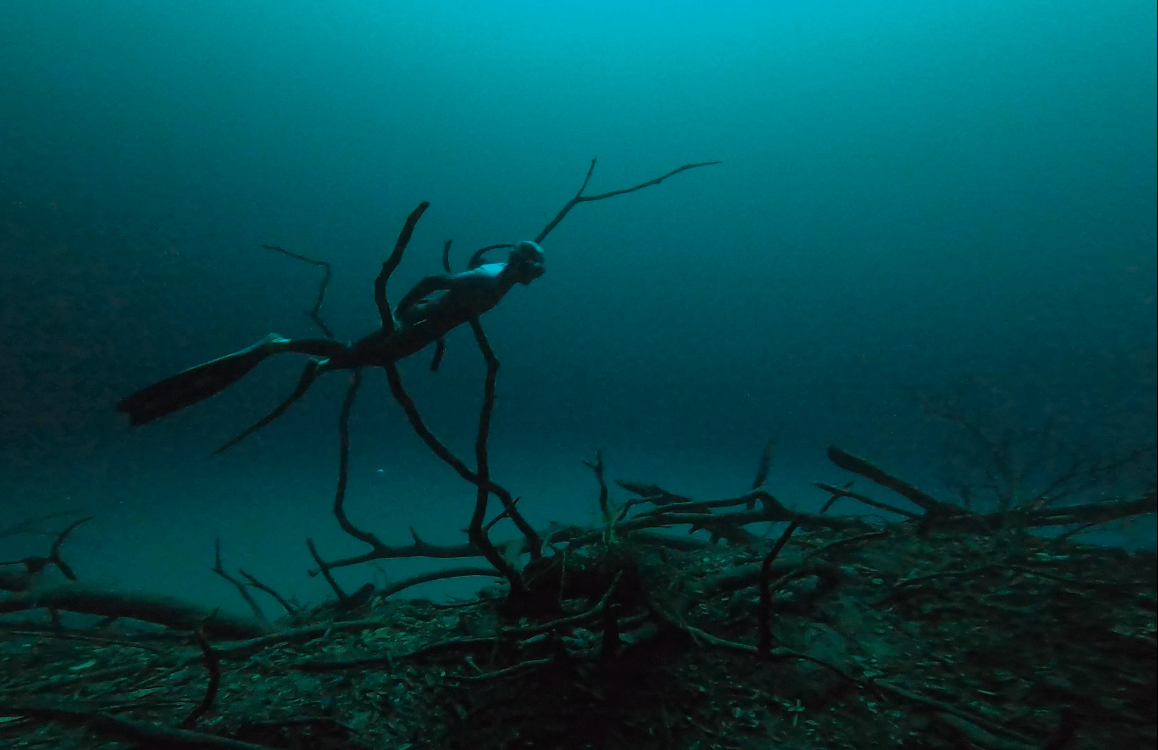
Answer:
(195, 384)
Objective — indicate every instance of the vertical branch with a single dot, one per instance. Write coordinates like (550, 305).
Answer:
(764, 608)
(475, 531)
(446, 256)
(340, 491)
(344, 465)
(391, 263)
(605, 509)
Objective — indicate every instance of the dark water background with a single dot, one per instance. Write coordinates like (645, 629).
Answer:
(951, 197)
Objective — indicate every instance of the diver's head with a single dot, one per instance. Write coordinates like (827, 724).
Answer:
(526, 262)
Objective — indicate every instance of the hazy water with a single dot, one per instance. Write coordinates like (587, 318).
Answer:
(934, 196)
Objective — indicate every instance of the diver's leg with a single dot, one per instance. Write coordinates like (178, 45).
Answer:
(200, 382)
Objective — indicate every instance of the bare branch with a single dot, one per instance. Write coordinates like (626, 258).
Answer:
(309, 375)
(313, 312)
(875, 474)
(475, 531)
(391, 263)
(220, 570)
(580, 198)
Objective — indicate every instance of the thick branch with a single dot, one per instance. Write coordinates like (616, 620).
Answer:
(160, 609)
(391, 263)
(139, 732)
(435, 575)
(873, 473)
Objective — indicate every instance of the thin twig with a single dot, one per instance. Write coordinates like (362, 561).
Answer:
(314, 312)
(865, 499)
(219, 569)
(309, 375)
(324, 569)
(26, 527)
(290, 609)
(580, 198)
(604, 508)
(764, 466)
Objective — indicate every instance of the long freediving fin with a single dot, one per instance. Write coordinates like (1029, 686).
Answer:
(195, 384)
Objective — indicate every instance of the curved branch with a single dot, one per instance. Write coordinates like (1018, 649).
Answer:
(309, 375)
(391, 263)
(344, 465)
(534, 544)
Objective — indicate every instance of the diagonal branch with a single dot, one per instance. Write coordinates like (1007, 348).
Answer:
(309, 375)
(219, 569)
(873, 473)
(436, 446)
(156, 608)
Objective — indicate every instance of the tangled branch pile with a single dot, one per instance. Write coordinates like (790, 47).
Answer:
(925, 625)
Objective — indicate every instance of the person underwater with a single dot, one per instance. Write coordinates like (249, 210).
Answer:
(434, 307)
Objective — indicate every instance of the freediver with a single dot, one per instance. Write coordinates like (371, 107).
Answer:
(435, 306)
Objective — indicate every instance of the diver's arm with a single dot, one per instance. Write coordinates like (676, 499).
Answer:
(427, 286)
